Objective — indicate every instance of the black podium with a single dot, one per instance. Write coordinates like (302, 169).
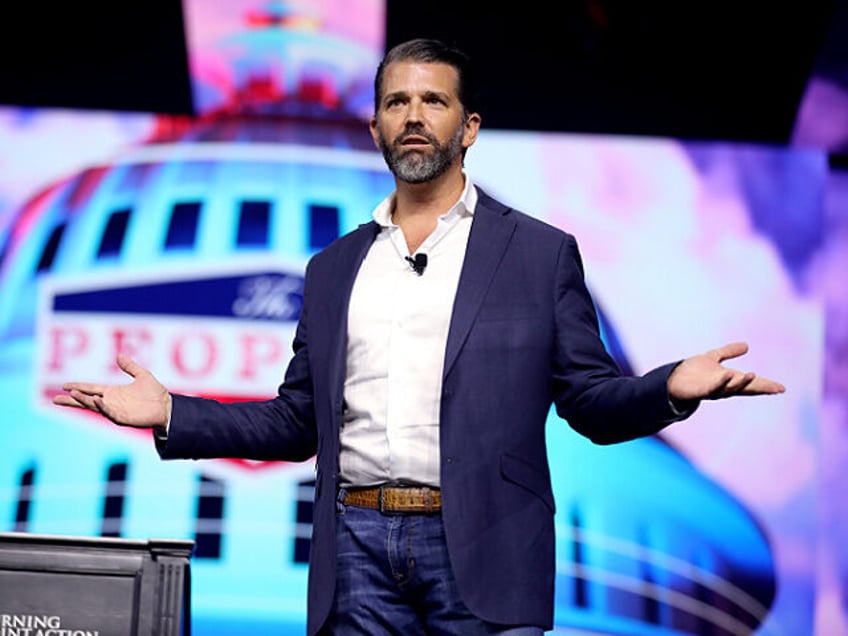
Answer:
(111, 587)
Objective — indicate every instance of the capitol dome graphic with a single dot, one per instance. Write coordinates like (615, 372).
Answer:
(187, 251)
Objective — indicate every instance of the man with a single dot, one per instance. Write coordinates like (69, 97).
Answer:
(423, 384)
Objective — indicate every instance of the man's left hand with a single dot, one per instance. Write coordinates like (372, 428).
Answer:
(703, 377)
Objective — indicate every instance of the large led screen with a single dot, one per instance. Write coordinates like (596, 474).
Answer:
(184, 241)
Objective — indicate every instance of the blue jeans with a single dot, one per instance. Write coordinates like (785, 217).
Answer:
(394, 578)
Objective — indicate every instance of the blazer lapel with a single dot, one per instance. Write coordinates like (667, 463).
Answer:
(491, 231)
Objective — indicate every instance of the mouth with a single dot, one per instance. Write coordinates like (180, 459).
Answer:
(414, 141)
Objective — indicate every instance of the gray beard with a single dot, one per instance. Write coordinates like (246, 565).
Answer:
(414, 167)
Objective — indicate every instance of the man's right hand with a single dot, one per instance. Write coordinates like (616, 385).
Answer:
(143, 403)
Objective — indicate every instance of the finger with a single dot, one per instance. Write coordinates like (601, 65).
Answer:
(751, 384)
(100, 407)
(739, 382)
(764, 386)
(719, 388)
(67, 400)
(86, 400)
(83, 387)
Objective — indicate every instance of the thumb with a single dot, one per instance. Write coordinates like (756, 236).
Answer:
(129, 366)
(729, 351)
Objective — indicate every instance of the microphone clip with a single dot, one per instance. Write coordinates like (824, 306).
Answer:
(418, 263)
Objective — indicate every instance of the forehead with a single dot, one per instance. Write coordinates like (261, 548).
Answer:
(419, 77)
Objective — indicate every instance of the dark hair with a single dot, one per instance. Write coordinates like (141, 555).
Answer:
(432, 52)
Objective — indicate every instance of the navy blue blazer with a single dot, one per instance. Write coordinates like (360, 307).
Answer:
(523, 336)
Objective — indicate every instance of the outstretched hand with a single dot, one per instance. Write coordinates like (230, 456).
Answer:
(702, 377)
(143, 403)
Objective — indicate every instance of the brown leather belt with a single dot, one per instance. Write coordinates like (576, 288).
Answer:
(396, 499)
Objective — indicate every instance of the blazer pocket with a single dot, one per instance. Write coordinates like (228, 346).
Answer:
(531, 478)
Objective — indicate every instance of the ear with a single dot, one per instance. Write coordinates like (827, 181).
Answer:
(372, 126)
(472, 127)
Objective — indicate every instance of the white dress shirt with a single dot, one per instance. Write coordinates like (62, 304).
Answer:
(397, 332)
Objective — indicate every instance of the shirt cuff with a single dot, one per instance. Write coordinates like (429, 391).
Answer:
(160, 433)
(682, 410)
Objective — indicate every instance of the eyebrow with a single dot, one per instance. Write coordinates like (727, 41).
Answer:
(427, 94)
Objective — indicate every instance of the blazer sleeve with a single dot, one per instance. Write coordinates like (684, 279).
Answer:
(589, 390)
(282, 428)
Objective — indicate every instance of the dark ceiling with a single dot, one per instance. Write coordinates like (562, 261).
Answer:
(694, 70)
(102, 55)
(699, 70)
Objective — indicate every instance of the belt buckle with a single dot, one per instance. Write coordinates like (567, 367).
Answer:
(381, 503)
(427, 508)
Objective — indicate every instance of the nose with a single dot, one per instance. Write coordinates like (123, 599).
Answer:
(414, 112)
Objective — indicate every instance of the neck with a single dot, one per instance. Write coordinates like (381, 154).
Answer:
(430, 199)
(418, 206)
